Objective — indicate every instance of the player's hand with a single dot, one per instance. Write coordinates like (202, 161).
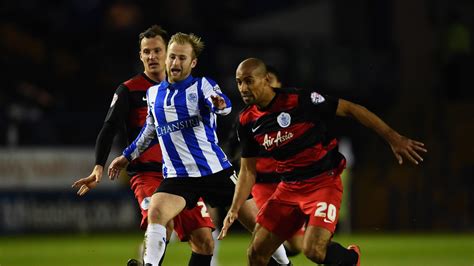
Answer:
(228, 221)
(116, 166)
(87, 183)
(403, 147)
(218, 102)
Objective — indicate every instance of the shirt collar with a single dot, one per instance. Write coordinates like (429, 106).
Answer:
(183, 84)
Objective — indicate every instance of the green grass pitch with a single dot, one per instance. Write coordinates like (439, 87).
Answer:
(113, 250)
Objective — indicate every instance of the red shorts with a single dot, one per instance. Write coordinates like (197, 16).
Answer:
(318, 198)
(261, 192)
(144, 185)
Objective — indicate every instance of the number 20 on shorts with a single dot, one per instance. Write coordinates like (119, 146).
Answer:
(328, 211)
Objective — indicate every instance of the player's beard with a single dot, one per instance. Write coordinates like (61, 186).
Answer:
(248, 98)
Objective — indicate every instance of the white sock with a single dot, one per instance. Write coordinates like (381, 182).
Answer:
(215, 234)
(280, 255)
(155, 243)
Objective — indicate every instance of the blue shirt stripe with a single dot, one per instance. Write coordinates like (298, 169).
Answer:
(166, 139)
(183, 117)
(189, 136)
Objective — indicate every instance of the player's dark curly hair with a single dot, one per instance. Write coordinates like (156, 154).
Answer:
(152, 32)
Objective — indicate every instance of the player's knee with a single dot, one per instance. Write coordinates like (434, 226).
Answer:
(202, 243)
(153, 214)
(254, 256)
(293, 248)
(157, 215)
(292, 251)
(170, 226)
(204, 248)
(315, 253)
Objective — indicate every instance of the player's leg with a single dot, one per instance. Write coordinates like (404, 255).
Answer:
(195, 226)
(261, 192)
(219, 191)
(280, 221)
(173, 195)
(315, 243)
(294, 245)
(319, 248)
(247, 216)
(163, 207)
(321, 199)
(202, 246)
(262, 246)
(214, 212)
(143, 186)
(141, 248)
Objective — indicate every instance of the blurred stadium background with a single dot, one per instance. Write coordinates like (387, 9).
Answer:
(409, 61)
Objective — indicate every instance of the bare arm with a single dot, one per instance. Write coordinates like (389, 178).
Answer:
(401, 145)
(87, 183)
(116, 166)
(244, 185)
(116, 116)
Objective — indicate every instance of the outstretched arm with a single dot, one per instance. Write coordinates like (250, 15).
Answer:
(85, 184)
(116, 166)
(145, 139)
(401, 145)
(244, 185)
(116, 116)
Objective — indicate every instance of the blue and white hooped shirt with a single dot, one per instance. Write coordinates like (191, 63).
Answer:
(184, 119)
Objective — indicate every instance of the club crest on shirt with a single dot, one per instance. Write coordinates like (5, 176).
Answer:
(114, 100)
(284, 119)
(192, 97)
(317, 98)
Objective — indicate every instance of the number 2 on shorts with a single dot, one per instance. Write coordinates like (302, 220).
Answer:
(204, 212)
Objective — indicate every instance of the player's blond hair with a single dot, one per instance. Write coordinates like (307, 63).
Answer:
(191, 38)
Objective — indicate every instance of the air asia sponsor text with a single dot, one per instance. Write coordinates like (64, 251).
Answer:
(269, 141)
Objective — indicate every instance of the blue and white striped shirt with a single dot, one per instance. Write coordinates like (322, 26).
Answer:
(184, 119)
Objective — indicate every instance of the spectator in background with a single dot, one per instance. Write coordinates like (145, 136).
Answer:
(457, 58)
(29, 116)
(274, 77)
(126, 115)
(29, 102)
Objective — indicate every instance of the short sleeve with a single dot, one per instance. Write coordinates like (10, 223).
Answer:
(320, 106)
(119, 107)
(211, 88)
(250, 147)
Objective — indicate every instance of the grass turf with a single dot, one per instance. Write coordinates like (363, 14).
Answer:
(108, 250)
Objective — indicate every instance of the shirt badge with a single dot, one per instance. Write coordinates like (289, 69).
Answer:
(284, 119)
(192, 97)
(317, 98)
